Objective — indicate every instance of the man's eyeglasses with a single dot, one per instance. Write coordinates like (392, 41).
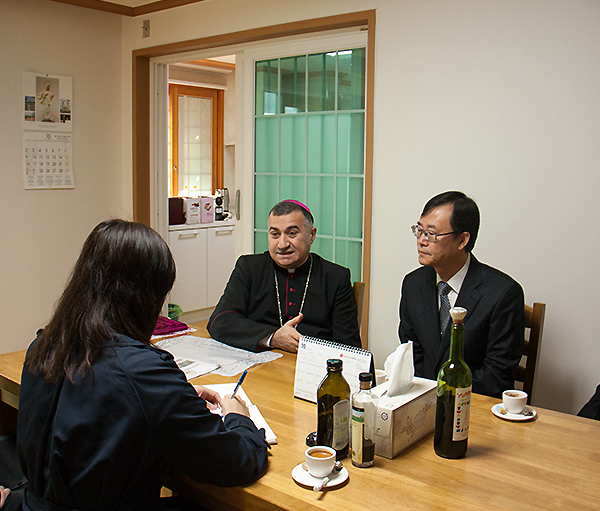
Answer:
(430, 236)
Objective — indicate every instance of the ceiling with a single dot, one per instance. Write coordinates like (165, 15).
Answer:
(129, 7)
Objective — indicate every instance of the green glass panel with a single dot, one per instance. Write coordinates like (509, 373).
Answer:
(267, 78)
(266, 150)
(265, 197)
(321, 143)
(319, 199)
(293, 143)
(261, 242)
(323, 247)
(293, 84)
(351, 143)
(351, 79)
(349, 207)
(321, 82)
(291, 187)
(349, 254)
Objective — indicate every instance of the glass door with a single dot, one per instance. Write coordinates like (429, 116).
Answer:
(309, 127)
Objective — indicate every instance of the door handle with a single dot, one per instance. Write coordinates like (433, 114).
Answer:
(188, 235)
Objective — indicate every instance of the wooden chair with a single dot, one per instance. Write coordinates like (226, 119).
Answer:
(534, 322)
(359, 295)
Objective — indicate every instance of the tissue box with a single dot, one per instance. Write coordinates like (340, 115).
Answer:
(403, 420)
(207, 213)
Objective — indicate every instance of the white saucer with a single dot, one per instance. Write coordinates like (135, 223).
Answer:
(302, 477)
(499, 411)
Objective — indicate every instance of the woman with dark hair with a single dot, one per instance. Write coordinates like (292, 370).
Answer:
(103, 413)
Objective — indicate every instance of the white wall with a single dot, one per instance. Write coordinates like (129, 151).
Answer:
(42, 230)
(499, 99)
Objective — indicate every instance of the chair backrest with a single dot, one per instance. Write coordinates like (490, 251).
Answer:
(534, 322)
(359, 295)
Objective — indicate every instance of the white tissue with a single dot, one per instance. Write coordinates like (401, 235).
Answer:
(400, 369)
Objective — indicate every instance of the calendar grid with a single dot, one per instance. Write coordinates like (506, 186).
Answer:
(48, 160)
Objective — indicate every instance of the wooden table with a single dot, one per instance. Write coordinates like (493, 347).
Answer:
(551, 463)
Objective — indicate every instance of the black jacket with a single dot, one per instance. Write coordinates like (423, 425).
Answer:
(105, 441)
(493, 332)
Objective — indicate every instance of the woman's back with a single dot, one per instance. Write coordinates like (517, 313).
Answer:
(103, 441)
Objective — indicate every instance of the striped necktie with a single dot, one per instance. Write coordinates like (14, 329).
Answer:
(443, 290)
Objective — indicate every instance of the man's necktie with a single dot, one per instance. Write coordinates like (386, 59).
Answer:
(443, 290)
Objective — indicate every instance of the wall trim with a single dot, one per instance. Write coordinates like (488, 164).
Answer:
(125, 10)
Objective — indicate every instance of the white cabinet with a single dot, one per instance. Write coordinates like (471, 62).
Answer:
(205, 257)
(221, 260)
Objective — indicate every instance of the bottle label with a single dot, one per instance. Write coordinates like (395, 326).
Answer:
(358, 432)
(462, 412)
(341, 426)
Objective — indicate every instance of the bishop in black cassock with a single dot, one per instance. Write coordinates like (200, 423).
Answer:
(247, 312)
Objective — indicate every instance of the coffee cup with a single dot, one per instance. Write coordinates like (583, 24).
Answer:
(380, 376)
(320, 460)
(514, 400)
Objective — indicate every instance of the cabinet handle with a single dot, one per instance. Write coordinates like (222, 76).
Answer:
(192, 234)
(237, 204)
(223, 230)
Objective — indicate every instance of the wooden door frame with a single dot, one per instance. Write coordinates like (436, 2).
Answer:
(141, 109)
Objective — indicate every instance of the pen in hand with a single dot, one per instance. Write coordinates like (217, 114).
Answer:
(239, 383)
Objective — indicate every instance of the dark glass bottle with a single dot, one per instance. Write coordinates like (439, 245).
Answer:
(333, 408)
(364, 410)
(453, 396)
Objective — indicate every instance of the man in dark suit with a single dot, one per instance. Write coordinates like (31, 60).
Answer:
(495, 321)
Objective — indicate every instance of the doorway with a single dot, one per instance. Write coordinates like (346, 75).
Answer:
(143, 62)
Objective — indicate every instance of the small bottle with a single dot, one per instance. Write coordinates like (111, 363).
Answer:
(364, 410)
(453, 406)
(333, 408)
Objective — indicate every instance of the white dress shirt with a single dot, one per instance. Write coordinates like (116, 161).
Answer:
(455, 282)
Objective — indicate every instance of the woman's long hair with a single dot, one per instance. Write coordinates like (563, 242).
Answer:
(118, 285)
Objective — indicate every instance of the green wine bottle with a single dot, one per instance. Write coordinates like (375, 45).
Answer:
(453, 396)
(333, 408)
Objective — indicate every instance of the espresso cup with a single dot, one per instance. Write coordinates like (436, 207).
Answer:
(514, 400)
(380, 376)
(320, 460)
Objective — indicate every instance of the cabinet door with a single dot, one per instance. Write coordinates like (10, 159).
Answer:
(189, 250)
(221, 260)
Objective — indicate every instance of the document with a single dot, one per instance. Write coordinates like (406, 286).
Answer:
(225, 389)
(194, 368)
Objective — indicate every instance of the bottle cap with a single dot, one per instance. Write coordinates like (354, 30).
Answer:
(334, 363)
(458, 314)
(365, 377)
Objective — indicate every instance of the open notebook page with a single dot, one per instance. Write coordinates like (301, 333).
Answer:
(259, 421)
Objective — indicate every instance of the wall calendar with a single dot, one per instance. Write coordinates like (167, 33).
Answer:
(48, 160)
(47, 131)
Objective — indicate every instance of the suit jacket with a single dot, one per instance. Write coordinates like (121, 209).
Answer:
(493, 327)
(247, 312)
(591, 409)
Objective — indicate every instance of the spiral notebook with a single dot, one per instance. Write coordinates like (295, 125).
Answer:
(311, 365)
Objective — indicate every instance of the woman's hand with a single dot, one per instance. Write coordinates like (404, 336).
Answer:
(234, 405)
(212, 398)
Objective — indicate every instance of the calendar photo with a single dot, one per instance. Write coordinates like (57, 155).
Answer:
(47, 102)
